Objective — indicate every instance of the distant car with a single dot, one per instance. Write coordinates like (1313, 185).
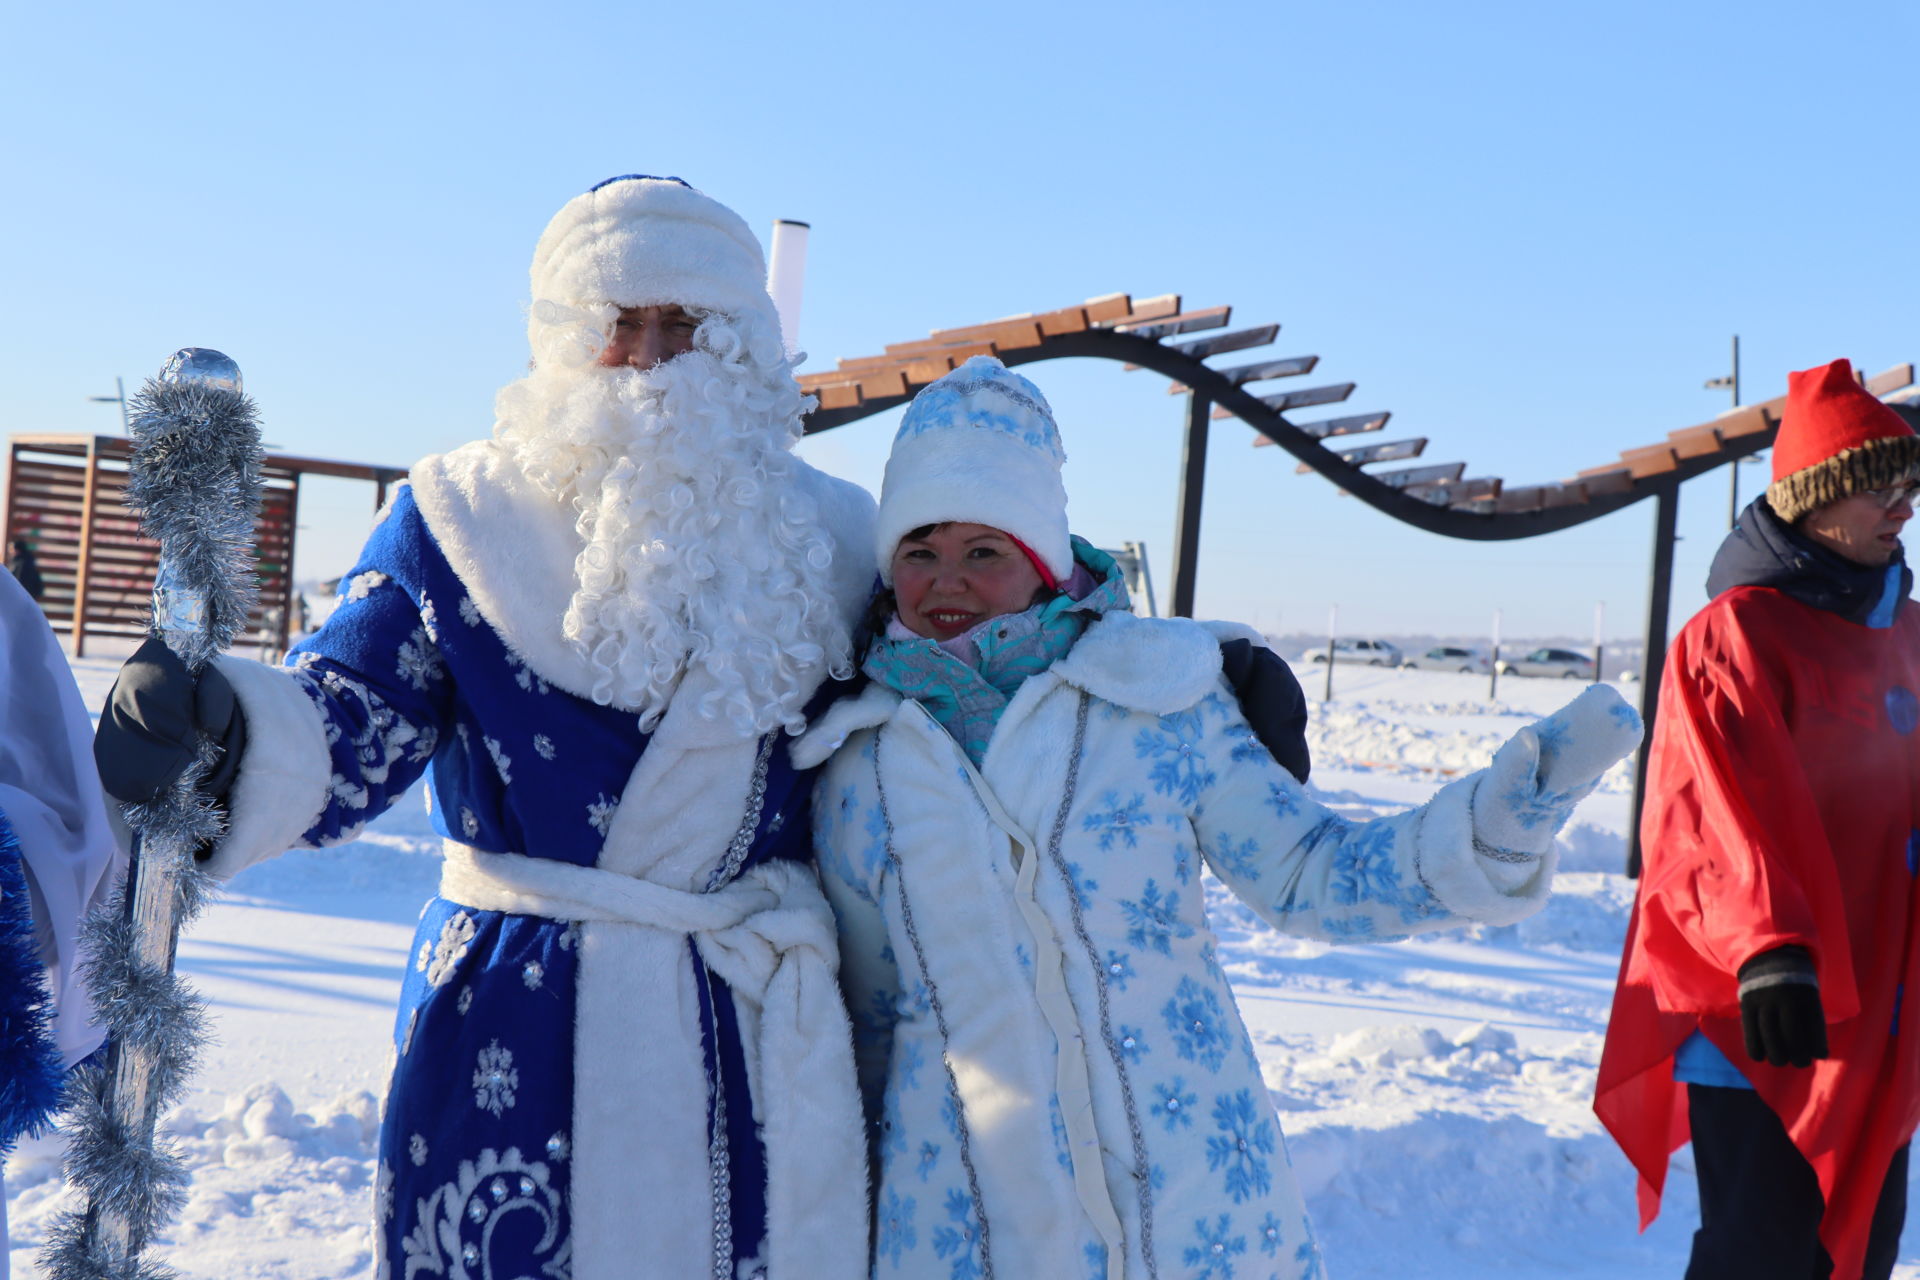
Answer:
(1568, 664)
(1374, 653)
(1450, 657)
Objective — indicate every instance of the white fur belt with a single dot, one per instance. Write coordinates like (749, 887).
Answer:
(640, 1073)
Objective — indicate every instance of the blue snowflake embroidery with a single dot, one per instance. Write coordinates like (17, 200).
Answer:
(1242, 746)
(1119, 969)
(1244, 1141)
(895, 1227)
(1118, 821)
(1132, 1042)
(1155, 919)
(1347, 929)
(1309, 1259)
(893, 1127)
(1283, 798)
(1174, 1104)
(911, 1059)
(950, 1113)
(1213, 1249)
(1179, 766)
(1363, 869)
(1182, 862)
(1270, 1237)
(874, 856)
(1096, 1256)
(1198, 1024)
(1552, 736)
(929, 1156)
(959, 1241)
(1062, 1147)
(1236, 857)
(1082, 884)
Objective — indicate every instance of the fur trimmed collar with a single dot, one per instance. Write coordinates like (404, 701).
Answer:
(1155, 665)
(513, 547)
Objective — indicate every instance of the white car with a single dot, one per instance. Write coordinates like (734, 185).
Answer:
(1451, 657)
(1373, 653)
(1568, 664)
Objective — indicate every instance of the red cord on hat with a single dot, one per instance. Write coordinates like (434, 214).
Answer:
(1046, 574)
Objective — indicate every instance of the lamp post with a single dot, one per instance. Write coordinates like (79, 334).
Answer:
(119, 397)
(1731, 383)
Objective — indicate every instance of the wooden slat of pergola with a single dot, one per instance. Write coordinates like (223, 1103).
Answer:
(66, 495)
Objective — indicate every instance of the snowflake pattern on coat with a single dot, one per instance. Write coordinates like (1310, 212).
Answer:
(475, 1148)
(1195, 1156)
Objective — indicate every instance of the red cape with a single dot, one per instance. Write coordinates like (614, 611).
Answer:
(1783, 797)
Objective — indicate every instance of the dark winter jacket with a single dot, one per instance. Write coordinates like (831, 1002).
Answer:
(1765, 551)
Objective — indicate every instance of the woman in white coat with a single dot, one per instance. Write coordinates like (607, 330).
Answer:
(1011, 829)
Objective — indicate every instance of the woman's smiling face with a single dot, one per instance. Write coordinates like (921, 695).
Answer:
(948, 578)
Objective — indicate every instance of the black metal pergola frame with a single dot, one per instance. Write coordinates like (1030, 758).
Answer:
(1482, 510)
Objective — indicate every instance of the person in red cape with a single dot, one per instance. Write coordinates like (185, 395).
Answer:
(1775, 929)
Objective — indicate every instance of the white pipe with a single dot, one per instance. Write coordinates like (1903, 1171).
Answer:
(787, 278)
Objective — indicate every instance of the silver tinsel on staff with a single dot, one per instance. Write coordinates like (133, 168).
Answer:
(195, 481)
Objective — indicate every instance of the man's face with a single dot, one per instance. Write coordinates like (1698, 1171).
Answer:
(1863, 527)
(644, 336)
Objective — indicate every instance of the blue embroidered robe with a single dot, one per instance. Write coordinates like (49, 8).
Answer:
(474, 1149)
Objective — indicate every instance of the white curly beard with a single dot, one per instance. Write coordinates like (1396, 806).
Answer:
(700, 549)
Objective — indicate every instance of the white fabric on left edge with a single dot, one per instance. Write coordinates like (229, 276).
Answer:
(50, 792)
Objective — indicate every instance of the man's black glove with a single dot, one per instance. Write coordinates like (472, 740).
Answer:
(1780, 1012)
(1271, 700)
(148, 728)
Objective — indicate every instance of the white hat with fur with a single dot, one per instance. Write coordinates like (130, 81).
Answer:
(980, 447)
(641, 241)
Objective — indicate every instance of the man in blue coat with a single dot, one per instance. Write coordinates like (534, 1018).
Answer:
(593, 631)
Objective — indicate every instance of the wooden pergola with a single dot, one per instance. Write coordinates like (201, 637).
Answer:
(1437, 497)
(65, 497)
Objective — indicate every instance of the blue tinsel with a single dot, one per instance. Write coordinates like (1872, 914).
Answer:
(31, 1077)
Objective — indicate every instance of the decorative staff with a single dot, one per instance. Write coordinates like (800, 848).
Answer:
(195, 482)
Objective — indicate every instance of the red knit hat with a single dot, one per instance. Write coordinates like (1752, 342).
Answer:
(1836, 439)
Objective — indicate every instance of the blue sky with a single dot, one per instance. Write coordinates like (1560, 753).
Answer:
(1527, 229)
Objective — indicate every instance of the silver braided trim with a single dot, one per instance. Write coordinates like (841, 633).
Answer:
(720, 1162)
(939, 1019)
(719, 1156)
(1494, 851)
(742, 843)
(1143, 1185)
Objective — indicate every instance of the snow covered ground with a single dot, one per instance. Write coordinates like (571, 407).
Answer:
(1435, 1093)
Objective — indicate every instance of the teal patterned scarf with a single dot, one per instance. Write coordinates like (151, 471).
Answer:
(967, 683)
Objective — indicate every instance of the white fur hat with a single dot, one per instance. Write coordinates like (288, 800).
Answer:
(641, 241)
(978, 446)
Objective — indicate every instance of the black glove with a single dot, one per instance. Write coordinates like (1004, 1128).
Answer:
(1780, 1012)
(148, 729)
(1271, 700)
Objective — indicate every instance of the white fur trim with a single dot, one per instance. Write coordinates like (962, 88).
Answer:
(1223, 631)
(1470, 883)
(975, 476)
(650, 243)
(1157, 665)
(873, 705)
(770, 937)
(514, 547)
(281, 789)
